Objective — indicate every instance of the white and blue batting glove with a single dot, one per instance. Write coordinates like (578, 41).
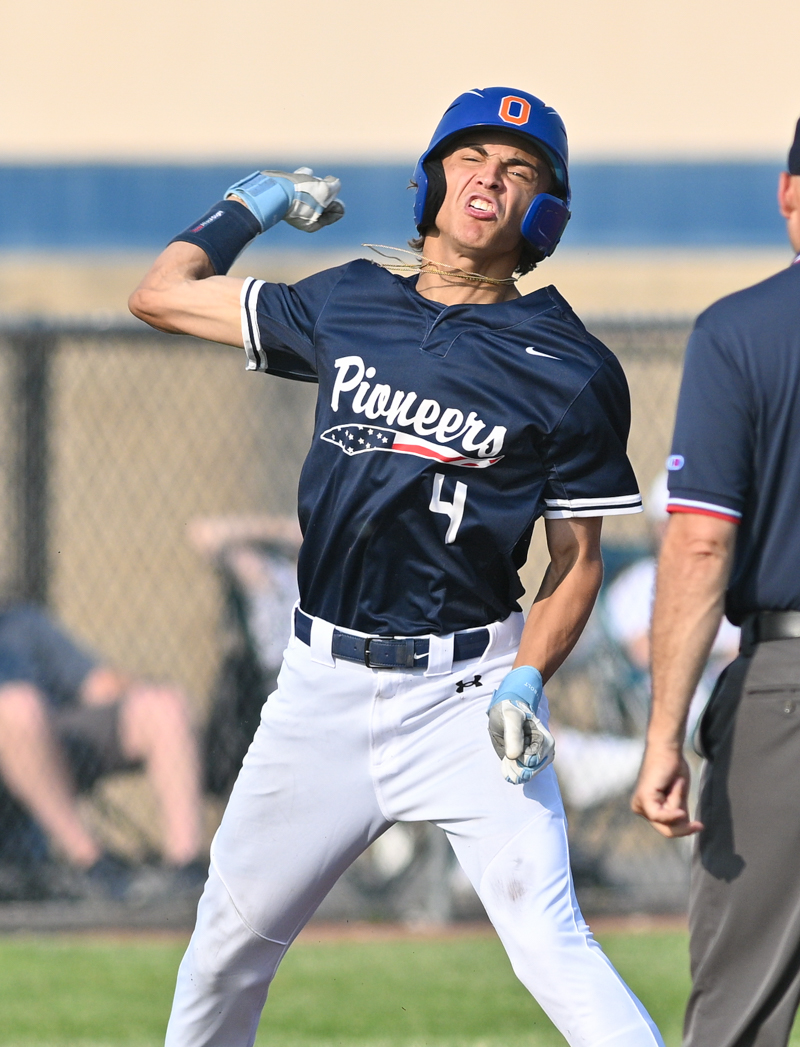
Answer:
(299, 198)
(519, 737)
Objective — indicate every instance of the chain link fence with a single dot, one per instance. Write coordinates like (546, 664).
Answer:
(148, 491)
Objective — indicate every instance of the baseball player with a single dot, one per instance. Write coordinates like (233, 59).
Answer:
(452, 413)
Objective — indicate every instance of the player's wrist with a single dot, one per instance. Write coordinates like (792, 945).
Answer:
(268, 196)
(222, 232)
(523, 684)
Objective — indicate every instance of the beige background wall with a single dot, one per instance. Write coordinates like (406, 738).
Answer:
(143, 80)
(198, 78)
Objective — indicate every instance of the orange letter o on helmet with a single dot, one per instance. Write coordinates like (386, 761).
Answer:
(515, 110)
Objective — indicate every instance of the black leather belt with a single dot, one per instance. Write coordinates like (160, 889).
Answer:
(763, 626)
(395, 652)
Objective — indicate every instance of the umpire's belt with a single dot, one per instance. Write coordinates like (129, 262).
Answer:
(763, 626)
(396, 652)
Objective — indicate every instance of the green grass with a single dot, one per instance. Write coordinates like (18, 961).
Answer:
(453, 992)
(70, 991)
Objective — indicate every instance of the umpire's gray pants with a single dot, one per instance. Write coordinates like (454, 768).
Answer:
(744, 912)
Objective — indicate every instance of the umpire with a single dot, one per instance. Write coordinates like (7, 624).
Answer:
(733, 545)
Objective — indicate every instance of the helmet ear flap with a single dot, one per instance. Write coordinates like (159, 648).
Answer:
(431, 197)
(544, 223)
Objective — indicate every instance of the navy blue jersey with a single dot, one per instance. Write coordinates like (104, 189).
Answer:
(737, 437)
(441, 434)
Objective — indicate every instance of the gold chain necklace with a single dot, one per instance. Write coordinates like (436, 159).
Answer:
(427, 265)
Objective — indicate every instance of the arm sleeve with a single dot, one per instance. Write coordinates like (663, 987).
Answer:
(710, 464)
(588, 472)
(279, 324)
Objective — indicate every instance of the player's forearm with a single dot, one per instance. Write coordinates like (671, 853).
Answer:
(693, 572)
(563, 604)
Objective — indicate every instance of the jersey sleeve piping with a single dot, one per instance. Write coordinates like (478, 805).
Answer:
(567, 508)
(256, 357)
(257, 354)
(690, 505)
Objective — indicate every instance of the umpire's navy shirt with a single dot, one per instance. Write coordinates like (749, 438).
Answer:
(736, 449)
(441, 435)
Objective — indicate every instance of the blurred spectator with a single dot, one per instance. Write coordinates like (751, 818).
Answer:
(256, 557)
(628, 607)
(614, 653)
(65, 721)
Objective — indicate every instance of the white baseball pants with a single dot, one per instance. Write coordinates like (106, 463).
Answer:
(343, 751)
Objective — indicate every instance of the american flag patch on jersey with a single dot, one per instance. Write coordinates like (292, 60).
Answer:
(357, 439)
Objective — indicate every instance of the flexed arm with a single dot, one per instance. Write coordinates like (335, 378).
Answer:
(186, 290)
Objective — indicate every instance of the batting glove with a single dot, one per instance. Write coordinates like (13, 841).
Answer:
(299, 198)
(519, 738)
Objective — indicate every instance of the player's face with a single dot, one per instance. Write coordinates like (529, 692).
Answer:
(491, 179)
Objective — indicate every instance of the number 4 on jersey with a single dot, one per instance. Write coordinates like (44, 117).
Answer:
(454, 509)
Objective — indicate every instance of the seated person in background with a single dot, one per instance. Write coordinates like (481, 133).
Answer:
(260, 552)
(256, 557)
(628, 607)
(66, 720)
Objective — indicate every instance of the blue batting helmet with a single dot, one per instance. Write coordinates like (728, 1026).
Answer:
(524, 115)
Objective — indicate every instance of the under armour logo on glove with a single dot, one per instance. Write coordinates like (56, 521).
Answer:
(474, 682)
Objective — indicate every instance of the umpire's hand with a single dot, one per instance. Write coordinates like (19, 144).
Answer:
(662, 791)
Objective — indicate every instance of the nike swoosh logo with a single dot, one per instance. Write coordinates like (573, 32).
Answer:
(535, 352)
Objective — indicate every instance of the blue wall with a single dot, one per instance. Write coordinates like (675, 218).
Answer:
(118, 206)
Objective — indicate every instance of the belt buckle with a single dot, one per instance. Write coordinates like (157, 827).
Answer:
(403, 647)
